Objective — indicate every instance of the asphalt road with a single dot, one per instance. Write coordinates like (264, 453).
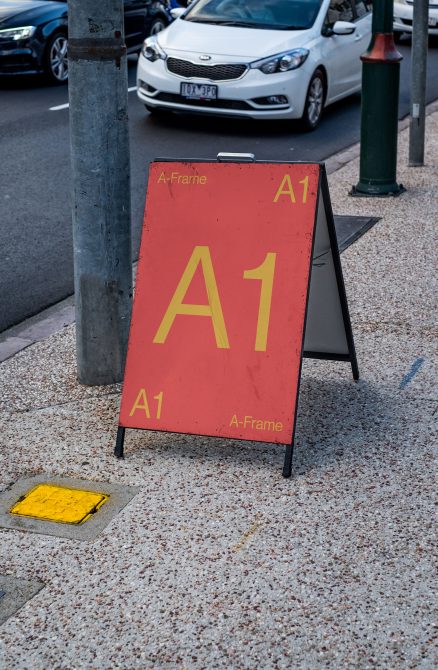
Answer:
(36, 268)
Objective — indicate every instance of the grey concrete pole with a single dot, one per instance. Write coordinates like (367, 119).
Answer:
(418, 83)
(98, 94)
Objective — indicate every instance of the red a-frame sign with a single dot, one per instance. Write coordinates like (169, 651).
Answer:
(225, 287)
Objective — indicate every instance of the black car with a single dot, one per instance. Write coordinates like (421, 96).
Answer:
(33, 33)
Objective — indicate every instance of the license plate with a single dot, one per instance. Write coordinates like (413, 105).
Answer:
(199, 91)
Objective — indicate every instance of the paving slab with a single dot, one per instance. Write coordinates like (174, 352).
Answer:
(218, 563)
(45, 375)
(14, 593)
(402, 364)
(221, 563)
(389, 272)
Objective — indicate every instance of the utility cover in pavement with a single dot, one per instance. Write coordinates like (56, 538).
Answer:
(57, 503)
(62, 506)
(351, 228)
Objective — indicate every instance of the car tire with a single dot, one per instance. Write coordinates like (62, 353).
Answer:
(157, 25)
(314, 103)
(55, 58)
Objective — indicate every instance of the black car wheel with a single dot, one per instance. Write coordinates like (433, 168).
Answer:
(157, 25)
(314, 101)
(56, 62)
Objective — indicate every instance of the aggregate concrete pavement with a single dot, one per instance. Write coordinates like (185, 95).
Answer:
(218, 562)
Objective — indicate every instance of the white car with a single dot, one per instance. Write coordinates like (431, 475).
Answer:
(404, 17)
(264, 59)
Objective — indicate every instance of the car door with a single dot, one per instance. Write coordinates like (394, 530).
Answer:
(135, 21)
(342, 52)
(362, 10)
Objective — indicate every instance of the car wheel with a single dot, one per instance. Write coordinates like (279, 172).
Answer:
(157, 25)
(397, 37)
(314, 101)
(56, 62)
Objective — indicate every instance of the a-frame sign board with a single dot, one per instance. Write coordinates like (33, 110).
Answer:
(239, 277)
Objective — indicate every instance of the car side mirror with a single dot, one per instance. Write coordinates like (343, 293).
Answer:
(343, 28)
(176, 12)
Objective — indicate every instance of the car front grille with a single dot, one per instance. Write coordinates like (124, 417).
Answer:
(221, 72)
(217, 104)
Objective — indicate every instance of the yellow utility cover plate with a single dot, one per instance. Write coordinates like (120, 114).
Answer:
(56, 503)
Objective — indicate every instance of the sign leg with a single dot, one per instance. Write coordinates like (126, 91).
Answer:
(118, 451)
(355, 368)
(287, 467)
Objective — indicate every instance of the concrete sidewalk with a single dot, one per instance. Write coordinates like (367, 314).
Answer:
(218, 562)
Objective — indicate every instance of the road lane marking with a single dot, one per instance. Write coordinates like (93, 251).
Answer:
(66, 105)
(55, 109)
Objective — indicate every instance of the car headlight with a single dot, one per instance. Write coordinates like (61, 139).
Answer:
(289, 60)
(18, 33)
(152, 50)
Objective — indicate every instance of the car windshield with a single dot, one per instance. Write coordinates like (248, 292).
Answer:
(267, 14)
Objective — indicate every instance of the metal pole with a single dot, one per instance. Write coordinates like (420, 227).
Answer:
(379, 114)
(418, 82)
(98, 93)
